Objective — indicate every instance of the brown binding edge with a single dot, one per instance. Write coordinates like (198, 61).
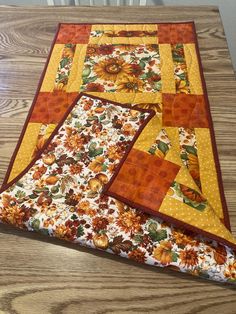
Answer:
(12, 160)
(214, 147)
(55, 131)
(176, 222)
(212, 133)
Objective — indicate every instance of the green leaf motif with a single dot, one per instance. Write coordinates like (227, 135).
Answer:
(80, 231)
(190, 149)
(73, 217)
(86, 71)
(158, 235)
(142, 64)
(55, 189)
(20, 194)
(174, 257)
(102, 117)
(94, 151)
(182, 76)
(144, 76)
(152, 227)
(201, 207)
(89, 79)
(184, 156)
(152, 150)
(35, 224)
(146, 59)
(33, 196)
(158, 85)
(138, 238)
(163, 147)
(64, 62)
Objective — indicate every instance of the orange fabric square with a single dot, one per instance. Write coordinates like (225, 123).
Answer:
(176, 33)
(73, 34)
(184, 110)
(142, 180)
(50, 107)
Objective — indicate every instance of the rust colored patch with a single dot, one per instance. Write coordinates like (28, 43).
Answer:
(143, 180)
(175, 33)
(182, 110)
(50, 107)
(74, 34)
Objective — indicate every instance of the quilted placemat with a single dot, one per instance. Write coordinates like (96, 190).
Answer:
(168, 172)
(150, 65)
(60, 194)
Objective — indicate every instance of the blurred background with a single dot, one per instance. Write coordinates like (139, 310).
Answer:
(227, 11)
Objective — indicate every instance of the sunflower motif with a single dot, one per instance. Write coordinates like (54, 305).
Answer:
(130, 85)
(129, 222)
(189, 257)
(154, 106)
(92, 50)
(192, 194)
(112, 69)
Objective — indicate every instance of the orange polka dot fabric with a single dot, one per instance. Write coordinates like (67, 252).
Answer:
(73, 34)
(143, 180)
(50, 107)
(175, 33)
(184, 110)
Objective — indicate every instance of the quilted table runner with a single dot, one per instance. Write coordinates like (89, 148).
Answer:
(130, 164)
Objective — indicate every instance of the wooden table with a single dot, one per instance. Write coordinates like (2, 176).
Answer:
(40, 275)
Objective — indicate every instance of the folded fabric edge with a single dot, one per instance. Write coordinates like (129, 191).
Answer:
(166, 218)
(151, 112)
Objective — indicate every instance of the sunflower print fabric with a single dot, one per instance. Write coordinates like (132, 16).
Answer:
(143, 124)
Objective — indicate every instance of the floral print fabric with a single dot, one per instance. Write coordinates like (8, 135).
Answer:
(122, 68)
(60, 195)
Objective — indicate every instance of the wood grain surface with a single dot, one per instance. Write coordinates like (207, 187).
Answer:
(41, 275)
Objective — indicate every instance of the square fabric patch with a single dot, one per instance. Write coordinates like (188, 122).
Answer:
(73, 34)
(174, 34)
(122, 68)
(143, 180)
(182, 110)
(52, 106)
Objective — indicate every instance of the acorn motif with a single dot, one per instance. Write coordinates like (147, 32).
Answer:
(102, 178)
(37, 175)
(49, 159)
(51, 180)
(134, 113)
(94, 185)
(101, 241)
(99, 110)
(44, 199)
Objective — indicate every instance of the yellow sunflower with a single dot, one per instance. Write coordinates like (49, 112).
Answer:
(130, 85)
(154, 106)
(92, 50)
(112, 69)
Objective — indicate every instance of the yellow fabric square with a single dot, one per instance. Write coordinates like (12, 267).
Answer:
(207, 220)
(75, 78)
(48, 83)
(167, 69)
(193, 69)
(208, 172)
(26, 149)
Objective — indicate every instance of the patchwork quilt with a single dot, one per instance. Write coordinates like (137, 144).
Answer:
(118, 150)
